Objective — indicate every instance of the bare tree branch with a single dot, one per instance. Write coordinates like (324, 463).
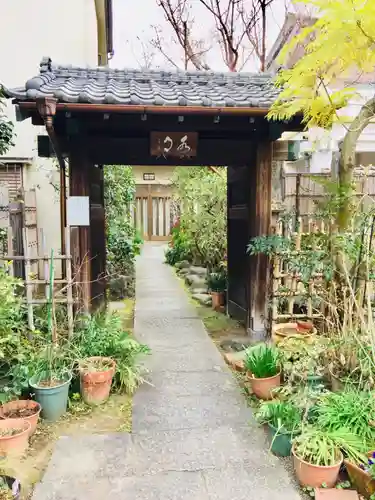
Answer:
(178, 15)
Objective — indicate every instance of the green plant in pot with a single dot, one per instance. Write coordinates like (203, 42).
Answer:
(318, 455)
(303, 362)
(217, 284)
(263, 368)
(284, 422)
(96, 374)
(51, 380)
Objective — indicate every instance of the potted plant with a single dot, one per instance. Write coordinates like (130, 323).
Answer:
(51, 380)
(96, 378)
(283, 331)
(362, 475)
(22, 408)
(217, 284)
(284, 422)
(303, 362)
(318, 455)
(14, 436)
(262, 365)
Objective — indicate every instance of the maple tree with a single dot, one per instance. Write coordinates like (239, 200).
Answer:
(339, 50)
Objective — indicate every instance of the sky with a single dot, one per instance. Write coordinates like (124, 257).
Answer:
(133, 21)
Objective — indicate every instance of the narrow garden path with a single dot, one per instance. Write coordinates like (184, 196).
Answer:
(193, 437)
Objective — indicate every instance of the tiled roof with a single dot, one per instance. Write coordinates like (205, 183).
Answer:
(159, 88)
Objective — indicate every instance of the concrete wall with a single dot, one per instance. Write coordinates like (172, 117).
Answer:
(66, 32)
(163, 174)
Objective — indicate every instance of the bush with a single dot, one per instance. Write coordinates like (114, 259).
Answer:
(123, 243)
(179, 248)
(202, 195)
(103, 335)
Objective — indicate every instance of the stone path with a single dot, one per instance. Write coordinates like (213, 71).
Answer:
(194, 438)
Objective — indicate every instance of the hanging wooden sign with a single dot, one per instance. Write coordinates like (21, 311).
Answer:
(174, 144)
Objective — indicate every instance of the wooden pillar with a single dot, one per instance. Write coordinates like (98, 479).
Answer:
(79, 185)
(260, 224)
(98, 239)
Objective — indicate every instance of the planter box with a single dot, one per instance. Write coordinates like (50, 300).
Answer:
(360, 479)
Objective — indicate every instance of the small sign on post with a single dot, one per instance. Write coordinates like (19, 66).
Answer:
(78, 211)
(174, 144)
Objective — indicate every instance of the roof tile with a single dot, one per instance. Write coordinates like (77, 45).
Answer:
(70, 84)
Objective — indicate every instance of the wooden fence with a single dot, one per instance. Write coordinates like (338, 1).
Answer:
(41, 291)
(303, 192)
(289, 298)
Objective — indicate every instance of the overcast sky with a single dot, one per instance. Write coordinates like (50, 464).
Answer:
(132, 29)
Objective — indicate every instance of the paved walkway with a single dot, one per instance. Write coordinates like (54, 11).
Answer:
(194, 438)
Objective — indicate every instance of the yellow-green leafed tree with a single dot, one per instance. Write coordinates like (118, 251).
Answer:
(339, 47)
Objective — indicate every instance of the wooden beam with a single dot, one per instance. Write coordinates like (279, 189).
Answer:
(260, 224)
(135, 151)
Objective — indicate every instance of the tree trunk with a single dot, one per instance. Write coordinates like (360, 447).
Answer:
(347, 162)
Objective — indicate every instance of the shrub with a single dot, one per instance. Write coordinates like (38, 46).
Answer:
(103, 335)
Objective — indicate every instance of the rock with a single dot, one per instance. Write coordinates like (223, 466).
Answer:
(202, 290)
(119, 287)
(199, 271)
(184, 271)
(235, 360)
(233, 345)
(203, 298)
(195, 281)
(183, 264)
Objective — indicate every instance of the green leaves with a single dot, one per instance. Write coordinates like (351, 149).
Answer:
(6, 129)
(202, 195)
(262, 361)
(283, 416)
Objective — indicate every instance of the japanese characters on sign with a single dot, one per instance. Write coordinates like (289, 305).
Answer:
(174, 144)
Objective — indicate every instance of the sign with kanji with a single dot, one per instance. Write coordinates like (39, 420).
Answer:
(174, 144)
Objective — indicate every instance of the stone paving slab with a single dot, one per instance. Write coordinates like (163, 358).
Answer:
(194, 438)
(189, 357)
(189, 383)
(187, 412)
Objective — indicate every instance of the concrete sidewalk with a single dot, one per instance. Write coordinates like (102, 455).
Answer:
(194, 438)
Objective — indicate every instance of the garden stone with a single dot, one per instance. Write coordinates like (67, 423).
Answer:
(202, 290)
(199, 271)
(203, 298)
(183, 264)
(235, 345)
(196, 282)
(119, 287)
(184, 271)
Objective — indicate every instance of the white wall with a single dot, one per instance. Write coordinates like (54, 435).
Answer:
(65, 31)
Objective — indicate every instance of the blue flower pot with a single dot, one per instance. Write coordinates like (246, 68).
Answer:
(53, 400)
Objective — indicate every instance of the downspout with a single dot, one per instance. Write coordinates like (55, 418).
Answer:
(101, 32)
(47, 109)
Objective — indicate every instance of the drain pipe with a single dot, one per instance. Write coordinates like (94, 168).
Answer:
(47, 110)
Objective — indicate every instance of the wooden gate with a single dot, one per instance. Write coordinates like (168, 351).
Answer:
(152, 212)
(239, 196)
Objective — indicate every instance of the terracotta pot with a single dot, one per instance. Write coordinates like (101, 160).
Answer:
(305, 326)
(96, 385)
(23, 404)
(217, 300)
(282, 331)
(14, 445)
(316, 475)
(263, 387)
(360, 479)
